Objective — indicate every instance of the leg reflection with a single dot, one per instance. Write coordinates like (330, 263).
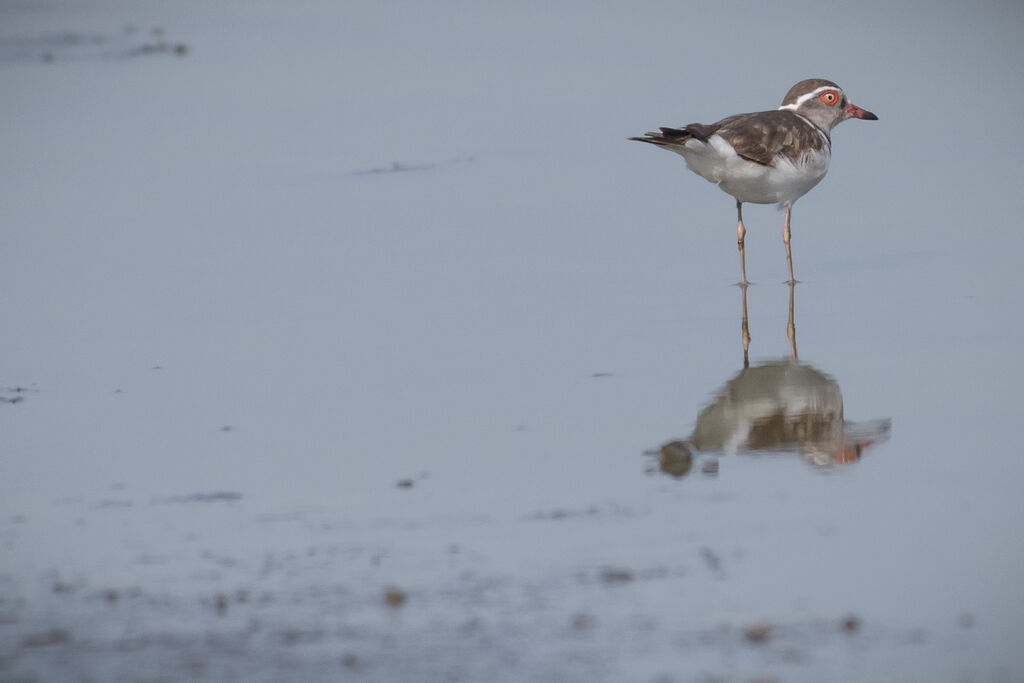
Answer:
(745, 328)
(791, 326)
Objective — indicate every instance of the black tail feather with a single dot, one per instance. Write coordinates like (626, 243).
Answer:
(669, 136)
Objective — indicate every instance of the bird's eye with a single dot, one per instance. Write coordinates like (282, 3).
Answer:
(830, 97)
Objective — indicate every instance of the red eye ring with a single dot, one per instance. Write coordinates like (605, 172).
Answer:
(829, 97)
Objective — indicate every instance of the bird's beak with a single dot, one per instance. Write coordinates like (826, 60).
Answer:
(855, 112)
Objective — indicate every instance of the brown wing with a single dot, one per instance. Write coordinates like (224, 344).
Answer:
(758, 137)
(762, 136)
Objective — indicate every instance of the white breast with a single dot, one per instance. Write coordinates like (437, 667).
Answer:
(781, 183)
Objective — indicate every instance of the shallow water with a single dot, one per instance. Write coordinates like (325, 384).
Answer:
(358, 343)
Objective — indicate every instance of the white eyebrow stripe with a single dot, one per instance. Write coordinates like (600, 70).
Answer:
(806, 96)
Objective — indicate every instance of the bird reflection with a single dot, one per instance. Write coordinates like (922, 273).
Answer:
(775, 406)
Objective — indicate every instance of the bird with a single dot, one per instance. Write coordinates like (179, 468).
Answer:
(766, 157)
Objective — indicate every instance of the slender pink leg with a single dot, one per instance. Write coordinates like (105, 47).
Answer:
(786, 234)
(741, 232)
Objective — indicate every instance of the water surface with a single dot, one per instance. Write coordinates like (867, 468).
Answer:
(359, 343)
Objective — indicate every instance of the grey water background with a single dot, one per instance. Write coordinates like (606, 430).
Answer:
(337, 347)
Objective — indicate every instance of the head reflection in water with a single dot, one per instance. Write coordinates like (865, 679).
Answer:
(776, 406)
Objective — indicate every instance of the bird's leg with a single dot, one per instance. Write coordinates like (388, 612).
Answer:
(741, 232)
(786, 234)
(745, 330)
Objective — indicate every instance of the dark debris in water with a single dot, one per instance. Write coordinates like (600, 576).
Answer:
(400, 167)
(55, 636)
(582, 621)
(605, 511)
(613, 575)
(712, 560)
(220, 604)
(206, 497)
(395, 596)
(66, 46)
(15, 394)
(409, 482)
(116, 503)
(757, 633)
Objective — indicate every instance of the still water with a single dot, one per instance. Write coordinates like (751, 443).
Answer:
(358, 343)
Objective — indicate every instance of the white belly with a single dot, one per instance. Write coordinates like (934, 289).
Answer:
(781, 183)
